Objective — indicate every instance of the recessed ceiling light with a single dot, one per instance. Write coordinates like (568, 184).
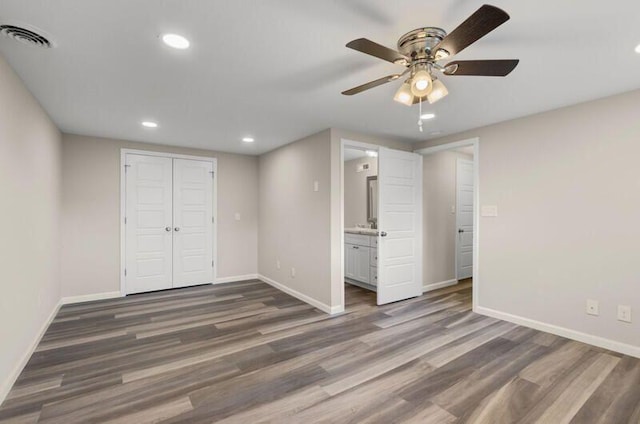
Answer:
(176, 41)
(248, 139)
(150, 124)
(638, 49)
(427, 116)
(372, 153)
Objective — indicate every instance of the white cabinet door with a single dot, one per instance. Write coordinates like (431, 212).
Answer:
(356, 262)
(148, 229)
(350, 258)
(192, 222)
(362, 264)
(400, 225)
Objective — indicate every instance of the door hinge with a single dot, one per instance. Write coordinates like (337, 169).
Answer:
(125, 220)
(212, 173)
(211, 264)
(125, 272)
(213, 220)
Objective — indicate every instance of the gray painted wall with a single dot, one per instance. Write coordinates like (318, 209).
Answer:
(567, 185)
(355, 190)
(30, 192)
(91, 212)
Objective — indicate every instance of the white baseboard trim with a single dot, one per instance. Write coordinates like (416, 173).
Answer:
(609, 344)
(8, 383)
(440, 285)
(311, 301)
(89, 297)
(236, 278)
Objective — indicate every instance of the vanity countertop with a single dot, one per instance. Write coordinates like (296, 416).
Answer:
(365, 231)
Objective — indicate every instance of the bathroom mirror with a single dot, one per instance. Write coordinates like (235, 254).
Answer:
(372, 201)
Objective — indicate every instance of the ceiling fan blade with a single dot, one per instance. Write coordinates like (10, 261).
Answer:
(374, 49)
(484, 68)
(481, 23)
(371, 84)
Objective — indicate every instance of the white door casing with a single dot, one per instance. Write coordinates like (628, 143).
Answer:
(192, 222)
(464, 218)
(149, 258)
(400, 217)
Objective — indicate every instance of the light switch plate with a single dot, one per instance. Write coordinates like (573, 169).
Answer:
(624, 313)
(593, 307)
(316, 186)
(237, 216)
(489, 210)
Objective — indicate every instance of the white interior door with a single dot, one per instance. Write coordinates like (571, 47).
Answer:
(192, 222)
(464, 219)
(148, 223)
(399, 225)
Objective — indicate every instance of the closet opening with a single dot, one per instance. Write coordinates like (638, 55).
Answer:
(168, 225)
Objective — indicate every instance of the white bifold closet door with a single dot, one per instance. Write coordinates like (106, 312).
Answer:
(169, 223)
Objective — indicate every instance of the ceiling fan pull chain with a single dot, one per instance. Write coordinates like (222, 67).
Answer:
(420, 116)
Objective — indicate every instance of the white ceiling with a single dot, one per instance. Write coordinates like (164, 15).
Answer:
(275, 69)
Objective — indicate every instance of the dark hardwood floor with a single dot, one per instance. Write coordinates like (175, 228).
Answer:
(248, 353)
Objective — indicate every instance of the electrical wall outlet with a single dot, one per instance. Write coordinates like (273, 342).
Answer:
(624, 313)
(293, 273)
(316, 186)
(592, 307)
(237, 216)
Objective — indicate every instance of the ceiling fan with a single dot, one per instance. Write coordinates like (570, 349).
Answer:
(420, 50)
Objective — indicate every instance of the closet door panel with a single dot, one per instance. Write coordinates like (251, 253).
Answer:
(149, 253)
(193, 222)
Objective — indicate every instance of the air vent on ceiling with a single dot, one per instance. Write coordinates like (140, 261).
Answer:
(25, 35)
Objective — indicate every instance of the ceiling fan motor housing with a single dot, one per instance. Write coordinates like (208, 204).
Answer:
(419, 43)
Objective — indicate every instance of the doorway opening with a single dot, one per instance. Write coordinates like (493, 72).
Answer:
(381, 224)
(450, 198)
(360, 208)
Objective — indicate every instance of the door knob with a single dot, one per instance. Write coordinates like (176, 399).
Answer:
(167, 229)
(177, 229)
(383, 233)
(460, 230)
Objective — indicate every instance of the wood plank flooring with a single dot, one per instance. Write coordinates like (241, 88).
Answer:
(248, 353)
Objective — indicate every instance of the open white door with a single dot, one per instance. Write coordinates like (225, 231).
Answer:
(464, 219)
(399, 225)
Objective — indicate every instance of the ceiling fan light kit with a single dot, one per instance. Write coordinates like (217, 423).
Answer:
(404, 94)
(420, 50)
(437, 92)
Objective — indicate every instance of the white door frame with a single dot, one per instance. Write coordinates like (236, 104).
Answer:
(475, 142)
(123, 206)
(345, 143)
